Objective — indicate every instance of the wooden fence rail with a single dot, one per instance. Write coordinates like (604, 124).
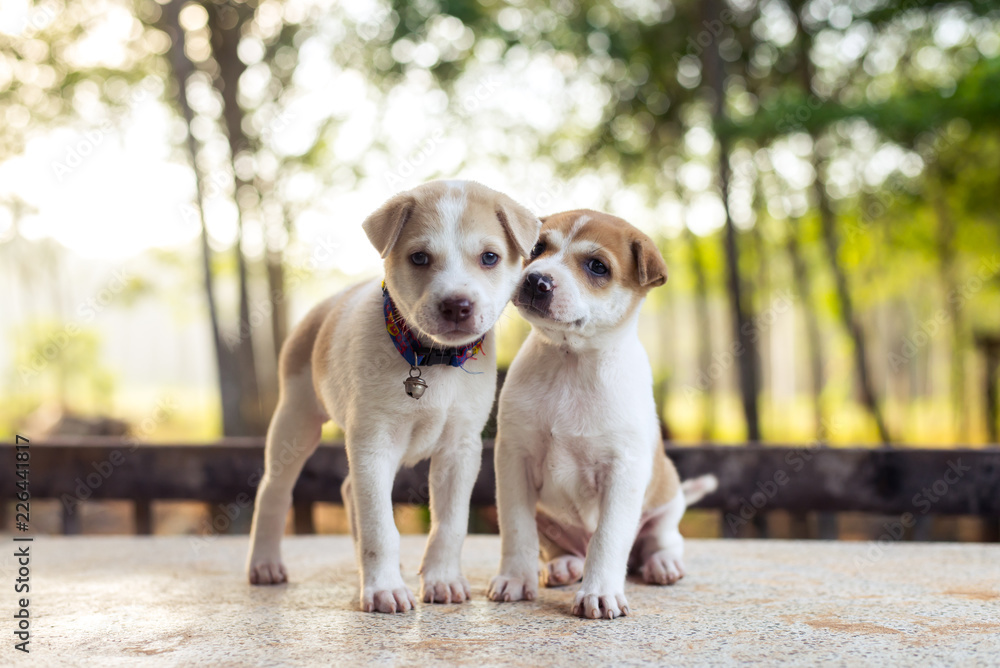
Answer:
(921, 482)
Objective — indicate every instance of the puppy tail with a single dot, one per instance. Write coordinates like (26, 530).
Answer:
(697, 488)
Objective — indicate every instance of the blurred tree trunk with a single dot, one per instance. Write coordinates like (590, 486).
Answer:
(274, 265)
(746, 349)
(276, 290)
(229, 382)
(814, 346)
(225, 22)
(761, 282)
(704, 338)
(665, 356)
(828, 224)
(949, 281)
(990, 346)
(275, 261)
(831, 242)
(826, 522)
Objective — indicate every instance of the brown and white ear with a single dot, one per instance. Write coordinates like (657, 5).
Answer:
(521, 225)
(383, 226)
(651, 268)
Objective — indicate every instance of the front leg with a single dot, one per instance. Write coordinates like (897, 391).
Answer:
(602, 592)
(453, 473)
(516, 498)
(374, 463)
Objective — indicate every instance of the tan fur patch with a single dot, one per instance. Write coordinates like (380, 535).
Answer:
(384, 225)
(296, 353)
(615, 242)
(548, 548)
(665, 482)
(325, 334)
(479, 218)
(478, 230)
(300, 347)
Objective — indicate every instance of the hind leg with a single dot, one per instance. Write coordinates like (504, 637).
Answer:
(292, 437)
(564, 569)
(563, 565)
(659, 548)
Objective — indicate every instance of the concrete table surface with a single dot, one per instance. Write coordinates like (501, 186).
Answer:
(183, 601)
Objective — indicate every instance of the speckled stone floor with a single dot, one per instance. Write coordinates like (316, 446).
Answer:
(183, 601)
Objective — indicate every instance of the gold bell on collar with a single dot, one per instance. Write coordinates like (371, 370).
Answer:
(415, 385)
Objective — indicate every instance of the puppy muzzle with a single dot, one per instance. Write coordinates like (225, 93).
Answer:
(536, 292)
(456, 309)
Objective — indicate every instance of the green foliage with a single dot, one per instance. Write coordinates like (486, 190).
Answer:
(46, 81)
(904, 118)
(844, 86)
(57, 359)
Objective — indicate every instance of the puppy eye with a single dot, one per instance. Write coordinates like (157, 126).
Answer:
(489, 259)
(420, 259)
(596, 267)
(538, 249)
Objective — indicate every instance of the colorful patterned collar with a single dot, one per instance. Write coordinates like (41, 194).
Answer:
(415, 352)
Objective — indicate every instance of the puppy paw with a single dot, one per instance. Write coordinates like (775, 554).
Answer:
(505, 588)
(267, 572)
(398, 599)
(600, 605)
(563, 570)
(444, 589)
(662, 568)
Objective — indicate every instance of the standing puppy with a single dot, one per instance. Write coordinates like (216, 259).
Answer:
(378, 359)
(578, 448)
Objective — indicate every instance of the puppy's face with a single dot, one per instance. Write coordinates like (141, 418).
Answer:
(453, 252)
(587, 273)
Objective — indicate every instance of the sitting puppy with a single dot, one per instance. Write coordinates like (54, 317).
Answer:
(578, 448)
(378, 359)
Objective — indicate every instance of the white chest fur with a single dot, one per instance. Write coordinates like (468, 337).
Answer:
(364, 386)
(580, 415)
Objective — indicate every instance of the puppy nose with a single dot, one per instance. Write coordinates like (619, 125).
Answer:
(539, 284)
(456, 309)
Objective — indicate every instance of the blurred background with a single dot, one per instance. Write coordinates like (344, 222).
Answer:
(180, 181)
